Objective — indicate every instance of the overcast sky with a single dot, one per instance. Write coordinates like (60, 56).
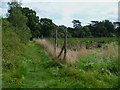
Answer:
(64, 11)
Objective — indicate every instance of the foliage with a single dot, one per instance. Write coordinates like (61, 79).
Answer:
(14, 68)
(89, 71)
(61, 32)
(15, 16)
(117, 28)
(18, 20)
(88, 43)
(33, 22)
(103, 28)
(76, 23)
(47, 27)
(29, 66)
(19, 16)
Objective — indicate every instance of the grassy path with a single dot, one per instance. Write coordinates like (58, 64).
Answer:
(29, 66)
(36, 60)
(42, 73)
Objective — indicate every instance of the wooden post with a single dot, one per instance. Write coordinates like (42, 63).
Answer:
(65, 44)
(61, 51)
(42, 36)
(56, 42)
(64, 48)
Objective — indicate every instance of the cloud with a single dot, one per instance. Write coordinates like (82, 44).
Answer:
(70, 0)
(84, 11)
(65, 12)
(96, 11)
(3, 8)
(64, 0)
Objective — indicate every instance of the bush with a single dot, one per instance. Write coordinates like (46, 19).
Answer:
(24, 34)
(14, 67)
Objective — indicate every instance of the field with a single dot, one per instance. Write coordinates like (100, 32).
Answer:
(96, 69)
(85, 42)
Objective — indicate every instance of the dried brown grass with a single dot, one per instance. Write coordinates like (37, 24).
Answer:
(48, 47)
(110, 51)
(71, 56)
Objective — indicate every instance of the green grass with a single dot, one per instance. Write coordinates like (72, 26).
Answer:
(29, 66)
(101, 72)
(14, 68)
(85, 42)
(87, 72)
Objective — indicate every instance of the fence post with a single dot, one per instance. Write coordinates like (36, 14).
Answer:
(55, 42)
(42, 36)
(65, 49)
(61, 51)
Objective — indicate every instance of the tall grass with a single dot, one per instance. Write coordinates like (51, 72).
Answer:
(71, 56)
(36, 69)
(88, 43)
(50, 49)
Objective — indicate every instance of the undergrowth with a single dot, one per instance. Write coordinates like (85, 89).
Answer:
(28, 66)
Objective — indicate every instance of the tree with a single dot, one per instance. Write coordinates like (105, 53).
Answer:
(93, 28)
(109, 27)
(18, 20)
(33, 22)
(76, 23)
(47, 26)
(77, 28)
(15, 16)
(102, 29)
(117, 28)
(71, 31)
(87, 31)
(61, 31)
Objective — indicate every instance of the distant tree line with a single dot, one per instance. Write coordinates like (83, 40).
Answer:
(29, 25)
(46, 27)
(94, 29)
